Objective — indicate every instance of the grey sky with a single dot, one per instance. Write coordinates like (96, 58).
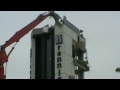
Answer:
(101, 29)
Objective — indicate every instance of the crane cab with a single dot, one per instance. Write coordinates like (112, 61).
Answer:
(57, 52)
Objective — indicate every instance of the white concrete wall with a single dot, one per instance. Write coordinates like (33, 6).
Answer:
(66, 51)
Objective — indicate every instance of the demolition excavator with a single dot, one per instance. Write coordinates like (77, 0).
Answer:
(18, 35)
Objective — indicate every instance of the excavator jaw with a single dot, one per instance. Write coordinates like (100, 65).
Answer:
(56, 17)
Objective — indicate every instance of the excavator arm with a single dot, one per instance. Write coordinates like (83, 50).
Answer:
(26, 29)
(18, 35)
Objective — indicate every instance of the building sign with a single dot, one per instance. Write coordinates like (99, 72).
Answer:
(59, 41)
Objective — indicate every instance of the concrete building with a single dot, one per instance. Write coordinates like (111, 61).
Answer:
(57, 52)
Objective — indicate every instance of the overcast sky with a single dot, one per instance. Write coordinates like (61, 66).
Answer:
(101, 29)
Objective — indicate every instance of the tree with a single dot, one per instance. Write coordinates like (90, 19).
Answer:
(117, 69)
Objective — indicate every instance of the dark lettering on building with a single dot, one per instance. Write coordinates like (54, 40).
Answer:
(59, 58)
(59, 73)
(59, 47)
(59, 53)
(59, 65)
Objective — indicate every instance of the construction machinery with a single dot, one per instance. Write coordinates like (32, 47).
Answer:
(18, 35)
(76, 46)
